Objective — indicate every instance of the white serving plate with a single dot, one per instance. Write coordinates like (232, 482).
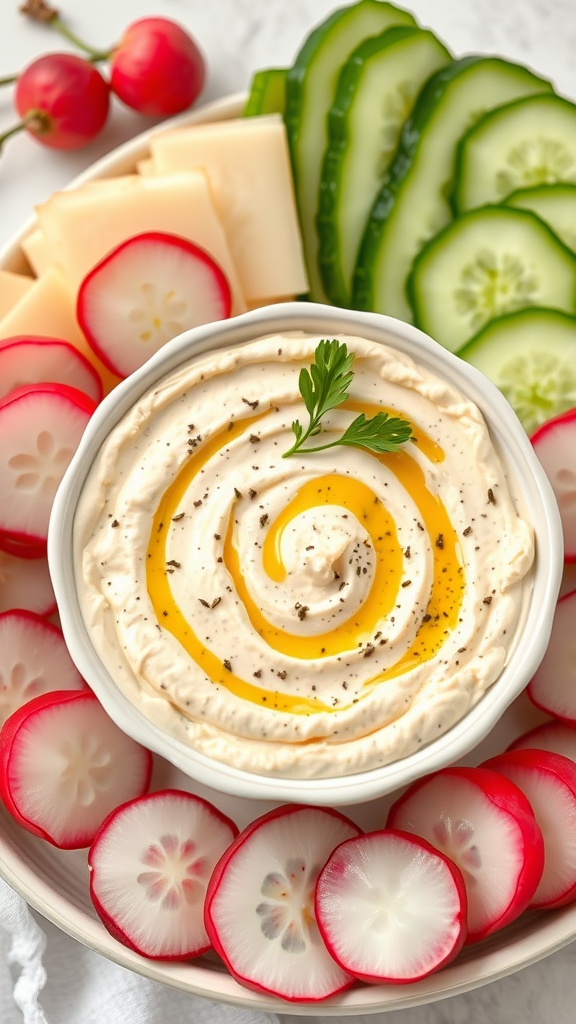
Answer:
(55, 882)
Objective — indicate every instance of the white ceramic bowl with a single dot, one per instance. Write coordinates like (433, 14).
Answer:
(515, 449)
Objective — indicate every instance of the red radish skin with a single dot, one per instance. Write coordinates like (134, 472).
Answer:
(553, 685)
(64, 765)
(259, 908)
(549, 782)
(146, 291)
(555, 736)
(486, 825)
(157, 68)
(40, 428)
(26, 583)
(63, 100)
(555, 445)
(390, 907)
(150, 863)
(35, 359)
(34, 659)
(22, 546)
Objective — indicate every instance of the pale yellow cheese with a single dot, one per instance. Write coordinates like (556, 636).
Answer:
(12, 288)
(36, 251)
(248, 165)
(47, 309)
(84, 225)
(146, 166)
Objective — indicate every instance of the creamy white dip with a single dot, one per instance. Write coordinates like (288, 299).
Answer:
(307, 616)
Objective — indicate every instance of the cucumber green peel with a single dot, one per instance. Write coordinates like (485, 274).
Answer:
(529, 142)
(267, 93)
(490, 261)
(530, 355)
(310, 86)
(375, 93)
(413, 204)
(555, 204)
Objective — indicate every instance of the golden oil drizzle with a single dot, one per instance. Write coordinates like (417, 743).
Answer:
(438, 619)
(361, 501)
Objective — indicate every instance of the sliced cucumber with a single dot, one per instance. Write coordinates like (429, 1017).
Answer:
(555, 204)
(531, 357)
(490, 261)
(267, 92)
(531, 141)
(375, 93)
(310, 86)
(413, 203)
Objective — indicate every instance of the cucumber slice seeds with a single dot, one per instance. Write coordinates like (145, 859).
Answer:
(555, 204)
(413, 203)
(375, 93)
(310, 86)
(529, 142)
(530, 356)
(489, 261)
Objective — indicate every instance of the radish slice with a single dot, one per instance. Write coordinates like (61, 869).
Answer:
(22, 547)
(34, 659)
(484, 823)
(259, 909)
(149, 868)
(37, 360)
(40, 428)
(555, 736)
(553, 686)
(555, 445)
(64, 765)
(25, 583)
(390, 907)
(146, 291)
(549, 782)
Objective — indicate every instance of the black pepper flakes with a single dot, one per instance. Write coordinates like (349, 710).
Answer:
(227, 664)
(264, 519)
(237, 493)
(491, 498)
(254, 439)
(253, 405)
(114, 523)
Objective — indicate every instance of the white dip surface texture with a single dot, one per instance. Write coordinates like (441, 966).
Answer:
(309, 616)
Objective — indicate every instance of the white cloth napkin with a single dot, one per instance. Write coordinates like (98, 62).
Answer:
(48, 978)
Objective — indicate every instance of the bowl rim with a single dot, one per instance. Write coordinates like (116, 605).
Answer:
(516, 450)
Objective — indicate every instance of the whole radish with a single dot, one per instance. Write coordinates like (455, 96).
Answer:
(157, 68)
(62, 100)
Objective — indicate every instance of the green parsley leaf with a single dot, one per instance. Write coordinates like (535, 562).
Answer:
(324, 387)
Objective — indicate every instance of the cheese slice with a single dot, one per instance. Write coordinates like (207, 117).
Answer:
(47, 309)
(83, 225)
(36, 251)
(12, 288)
(247, 162)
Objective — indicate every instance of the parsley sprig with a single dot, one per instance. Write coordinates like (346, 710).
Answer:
(324, 387)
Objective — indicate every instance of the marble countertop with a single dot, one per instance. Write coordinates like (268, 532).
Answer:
(237, 37)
